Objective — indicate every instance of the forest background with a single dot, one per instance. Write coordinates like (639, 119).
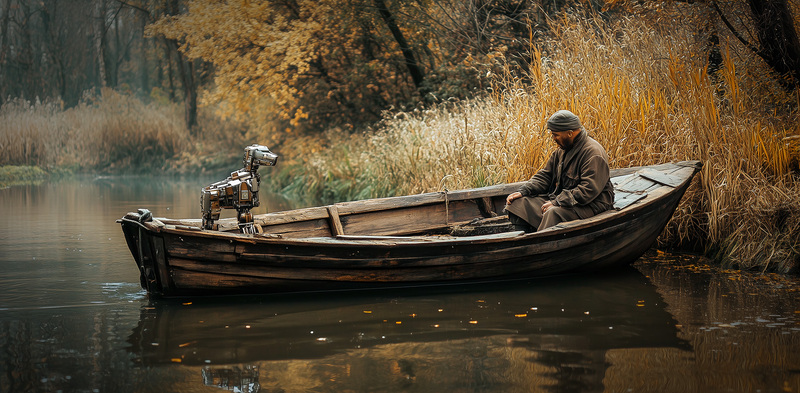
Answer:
(372, 98)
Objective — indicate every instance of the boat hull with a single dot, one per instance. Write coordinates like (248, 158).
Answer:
(177, 260)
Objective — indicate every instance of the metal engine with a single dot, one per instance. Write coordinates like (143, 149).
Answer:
(239, 191)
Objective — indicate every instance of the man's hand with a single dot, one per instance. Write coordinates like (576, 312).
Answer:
(512, 197)
(546, 206)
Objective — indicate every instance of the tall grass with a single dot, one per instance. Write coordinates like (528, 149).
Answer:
(644, 94)
(116, 133)
(111, 132)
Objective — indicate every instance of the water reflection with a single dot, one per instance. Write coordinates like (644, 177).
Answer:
(235, 379)
(744, 328)
(558, 331)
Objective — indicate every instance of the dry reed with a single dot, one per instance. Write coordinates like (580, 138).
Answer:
(111, 132)
(644, 94)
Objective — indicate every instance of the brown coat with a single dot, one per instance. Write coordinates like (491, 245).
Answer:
(577, 178)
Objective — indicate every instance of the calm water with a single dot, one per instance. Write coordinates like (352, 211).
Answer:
(73, 319)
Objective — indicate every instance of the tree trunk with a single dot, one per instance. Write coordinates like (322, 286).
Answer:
(143, 63)
(170, 74)
(97, 36)
(187, 68)
(779, 43)
(408, 54)
(4, 22)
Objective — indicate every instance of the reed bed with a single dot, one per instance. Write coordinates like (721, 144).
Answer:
(112, 132)
(644, 94)
(117, 133)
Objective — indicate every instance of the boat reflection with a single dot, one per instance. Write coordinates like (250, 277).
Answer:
(564, 326)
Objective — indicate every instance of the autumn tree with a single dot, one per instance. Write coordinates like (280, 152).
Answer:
(775, 36)
(300, 64)
(292, 60)
(766, 28)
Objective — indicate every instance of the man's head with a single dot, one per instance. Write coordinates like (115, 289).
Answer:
(564, 127)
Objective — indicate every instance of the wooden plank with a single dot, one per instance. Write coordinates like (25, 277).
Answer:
(200, 253)
(429, 239)
(192, 280)
(161, 263)
(661, 177)
(290, 216)
(335, 223)
(624, 199)
(391, 238)
(394, 274)
(634, 184)
(300, 229)
(199, 248)
(409, 220)
(371, 205)
(615, 180)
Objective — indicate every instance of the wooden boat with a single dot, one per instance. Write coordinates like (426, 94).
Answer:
(425, 239)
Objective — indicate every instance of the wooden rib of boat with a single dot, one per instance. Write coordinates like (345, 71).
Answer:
(425, 239)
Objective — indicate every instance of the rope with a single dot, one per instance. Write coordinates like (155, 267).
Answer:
(446, 200)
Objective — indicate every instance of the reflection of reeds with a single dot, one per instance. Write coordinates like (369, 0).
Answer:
(739, 324)
(644, 95)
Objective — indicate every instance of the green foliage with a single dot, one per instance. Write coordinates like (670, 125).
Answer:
(20, 174)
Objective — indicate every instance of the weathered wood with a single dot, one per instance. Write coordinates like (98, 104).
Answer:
(161, 262)
(634, 184)
(624, 199)
(401, 240)
(381, 204)
(486, 207)
(661, 177)
(300, 229)
(410, 220)
(335, 223)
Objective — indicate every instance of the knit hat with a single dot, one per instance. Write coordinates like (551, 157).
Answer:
(563, 120)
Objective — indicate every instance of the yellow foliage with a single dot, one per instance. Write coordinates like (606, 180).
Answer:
(309, 64)
(301, 64)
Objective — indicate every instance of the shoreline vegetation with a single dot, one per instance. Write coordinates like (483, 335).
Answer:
(641, 92)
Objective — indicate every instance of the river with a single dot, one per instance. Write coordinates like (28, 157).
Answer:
(74, 319)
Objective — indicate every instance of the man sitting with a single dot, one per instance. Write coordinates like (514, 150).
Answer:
(574, 183)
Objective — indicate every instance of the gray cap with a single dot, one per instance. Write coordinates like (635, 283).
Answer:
(563, 120)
